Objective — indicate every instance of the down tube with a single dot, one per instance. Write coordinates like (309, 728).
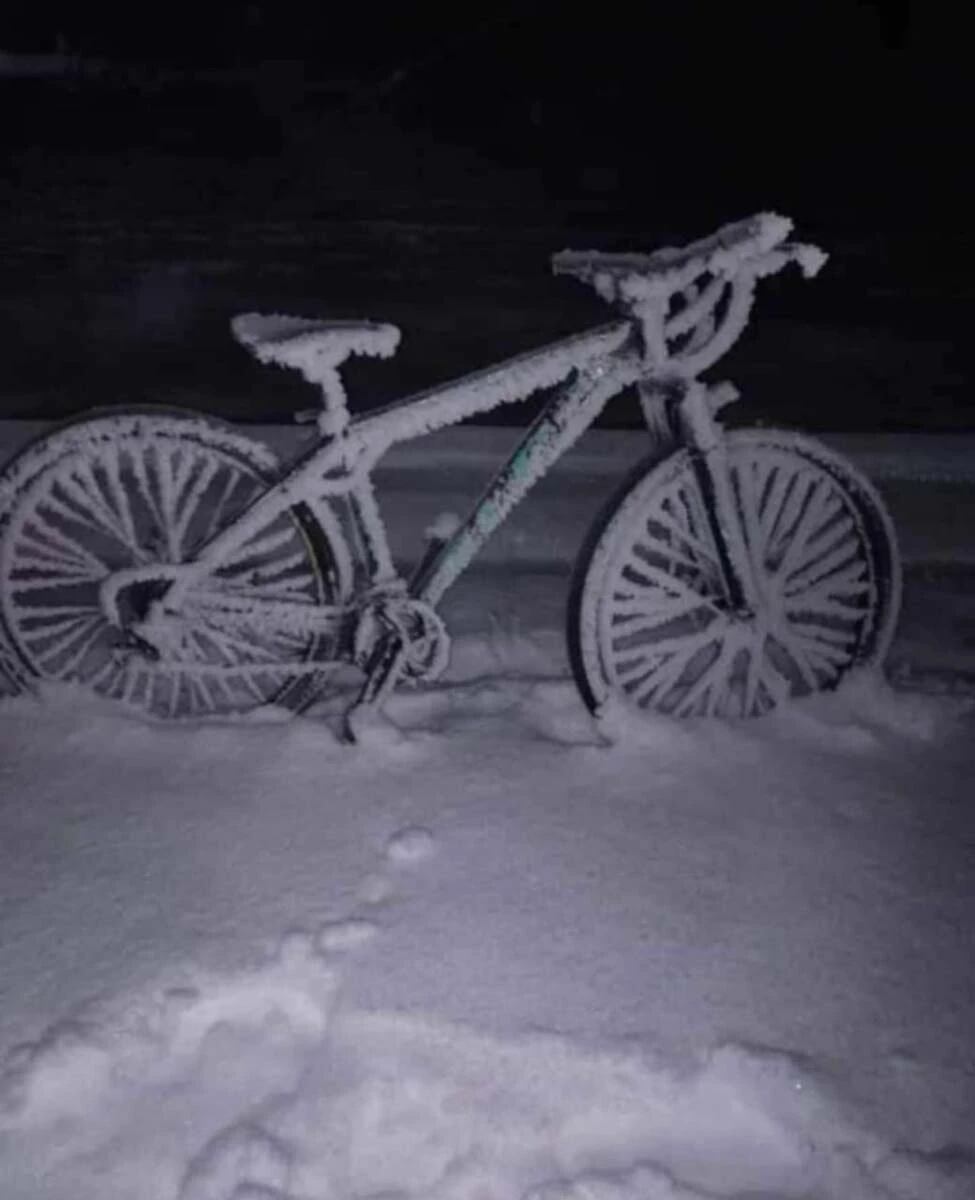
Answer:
(561, 424)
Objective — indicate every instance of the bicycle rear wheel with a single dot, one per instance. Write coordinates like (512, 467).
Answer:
(136, 490)
(649, 622)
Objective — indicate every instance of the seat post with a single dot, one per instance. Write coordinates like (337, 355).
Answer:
(334, 417)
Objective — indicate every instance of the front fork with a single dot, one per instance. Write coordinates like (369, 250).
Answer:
(683, 412)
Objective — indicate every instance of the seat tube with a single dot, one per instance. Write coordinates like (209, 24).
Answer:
(370, 534)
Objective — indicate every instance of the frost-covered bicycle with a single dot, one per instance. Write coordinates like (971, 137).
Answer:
(170, 563)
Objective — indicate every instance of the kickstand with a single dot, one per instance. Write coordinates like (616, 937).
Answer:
(381, 676)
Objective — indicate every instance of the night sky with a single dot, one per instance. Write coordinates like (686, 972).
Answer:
(619, 125)
(853, 109)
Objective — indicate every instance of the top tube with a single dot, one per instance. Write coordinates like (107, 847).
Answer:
(481, 391)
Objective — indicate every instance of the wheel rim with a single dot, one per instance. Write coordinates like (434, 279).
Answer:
(667, 636)
(132, 502)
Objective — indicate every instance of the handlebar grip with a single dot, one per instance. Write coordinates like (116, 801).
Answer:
(808, 258)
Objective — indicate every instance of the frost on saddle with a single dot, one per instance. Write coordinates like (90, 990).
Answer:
(317, 349)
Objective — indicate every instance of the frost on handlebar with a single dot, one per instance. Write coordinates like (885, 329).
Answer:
(729, 250)
(693, 302)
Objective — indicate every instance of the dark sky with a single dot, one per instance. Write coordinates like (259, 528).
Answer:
(645, 123)
(360, 33)
(531, 40)
(857, 108)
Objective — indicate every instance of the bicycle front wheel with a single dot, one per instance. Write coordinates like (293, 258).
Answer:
(649, 619)
(135, 490)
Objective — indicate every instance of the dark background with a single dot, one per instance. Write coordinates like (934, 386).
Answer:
(168, 166)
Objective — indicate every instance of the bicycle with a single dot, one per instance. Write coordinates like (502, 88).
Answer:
(169, 563)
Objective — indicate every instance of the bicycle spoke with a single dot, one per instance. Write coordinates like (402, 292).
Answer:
(261, 547)
(687, 644)
(662, 632)
(841, 639)
(710, 678)
(661, 679)
(75, 642)
(797, 656)
(790, 508)
(635, 625)
(68, 514)
(89, 491)
(699, 549)
(51, 581)
(146, 493)
(220, 509)
(824, 609)
(187, 504)
(36, 555)
(748, 502)
(119, 501)
(153, 494)
(753, 679)
(656, 583)
(814, 514)
(821, 568)
(277, 572)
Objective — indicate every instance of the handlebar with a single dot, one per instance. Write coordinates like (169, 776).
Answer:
(691, 303)
(757, 245)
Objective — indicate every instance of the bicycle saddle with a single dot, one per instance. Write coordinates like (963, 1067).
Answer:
(315, 348)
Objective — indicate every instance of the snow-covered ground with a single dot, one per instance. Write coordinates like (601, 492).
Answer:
(487, 956)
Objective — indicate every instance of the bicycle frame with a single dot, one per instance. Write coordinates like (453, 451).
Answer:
(586, 370)
(681, 309)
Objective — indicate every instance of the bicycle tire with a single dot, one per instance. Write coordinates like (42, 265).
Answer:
(129, 487)
(647, 620)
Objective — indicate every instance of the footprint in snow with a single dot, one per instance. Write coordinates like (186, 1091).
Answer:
(241, 1161)
(336, 937)
(374, 889)
(411, 845)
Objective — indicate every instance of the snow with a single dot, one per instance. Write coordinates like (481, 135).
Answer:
(443, 526)
(410, 846)
(500, 952)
